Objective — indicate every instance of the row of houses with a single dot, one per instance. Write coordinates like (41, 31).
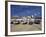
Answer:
(25, 20)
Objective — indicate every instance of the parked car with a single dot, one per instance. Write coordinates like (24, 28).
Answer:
(31, 21)
(18, 20)
(23, 21)
(12, 20)
(37, 20)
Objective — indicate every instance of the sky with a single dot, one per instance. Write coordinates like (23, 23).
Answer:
(21, 10)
